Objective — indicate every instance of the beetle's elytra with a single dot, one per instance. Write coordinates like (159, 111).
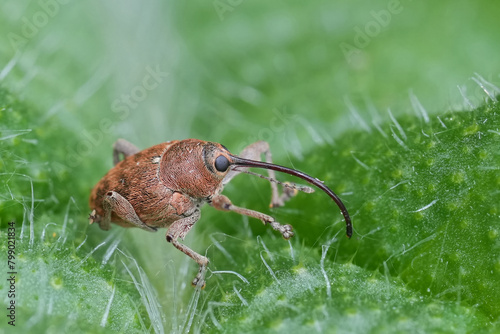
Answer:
(165, 186)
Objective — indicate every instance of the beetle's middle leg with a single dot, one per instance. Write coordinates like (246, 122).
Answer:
(121, 146)
(179, 229)
(254, 152)
(223, 203)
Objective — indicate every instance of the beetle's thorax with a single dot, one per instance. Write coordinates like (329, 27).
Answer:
(184, 168)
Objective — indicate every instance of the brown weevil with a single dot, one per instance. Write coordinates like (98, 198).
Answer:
(166, 185)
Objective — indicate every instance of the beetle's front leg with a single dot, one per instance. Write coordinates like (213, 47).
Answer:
(254, 152)
(179, 229)
(223, 203)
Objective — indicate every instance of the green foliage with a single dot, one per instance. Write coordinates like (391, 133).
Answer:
(423, 195)
(302, 294)
(426, 203)
(424, 200)
(59, 285)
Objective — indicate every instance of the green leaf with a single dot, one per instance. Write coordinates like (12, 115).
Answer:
(295, 293)
(57, 284)
(423, 194)
(424, 201)
(425, 253)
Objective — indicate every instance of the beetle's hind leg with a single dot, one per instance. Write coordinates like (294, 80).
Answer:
(121, 146)
(223, 203)
(114, 202)
(254, 152)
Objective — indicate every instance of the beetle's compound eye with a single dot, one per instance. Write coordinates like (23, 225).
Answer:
(221, 163)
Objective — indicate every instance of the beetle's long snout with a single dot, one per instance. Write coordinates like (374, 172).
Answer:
(237, 161)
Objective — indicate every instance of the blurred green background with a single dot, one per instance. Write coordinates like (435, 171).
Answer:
(316, 80)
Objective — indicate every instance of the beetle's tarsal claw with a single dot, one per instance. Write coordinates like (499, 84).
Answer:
(199, 280)
(285, 230)
(289, 191)
(93, 217)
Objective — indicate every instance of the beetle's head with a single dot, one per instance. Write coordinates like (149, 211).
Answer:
(195, 167)
(198, 168)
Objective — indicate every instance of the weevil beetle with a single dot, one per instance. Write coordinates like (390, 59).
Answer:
(165, 186)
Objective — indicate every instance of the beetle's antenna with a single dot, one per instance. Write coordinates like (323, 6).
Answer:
(288, 185)
(237, 161)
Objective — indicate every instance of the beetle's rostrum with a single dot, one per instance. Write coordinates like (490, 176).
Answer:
(166, 184)
(237, 161)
